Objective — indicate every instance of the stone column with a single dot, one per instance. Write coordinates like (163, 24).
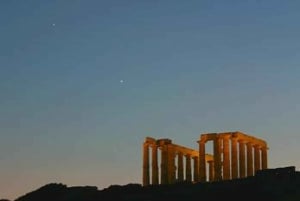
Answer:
(146, 164)
(180, 167)
(196, 169)
(217, 159)
(226, 159)
(154, 165)
(257, 158)
(234, 159)
(171, 164)
(188, 168)
(164, 165)
(211, 170)
(249, 159)
(242, 159)
(264, 158)
(202, 163)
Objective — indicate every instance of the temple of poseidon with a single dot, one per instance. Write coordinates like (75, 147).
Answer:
(235, 155)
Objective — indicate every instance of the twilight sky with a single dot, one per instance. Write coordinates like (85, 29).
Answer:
(83, 82)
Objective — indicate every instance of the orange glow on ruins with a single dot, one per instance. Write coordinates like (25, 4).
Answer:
(235, 155)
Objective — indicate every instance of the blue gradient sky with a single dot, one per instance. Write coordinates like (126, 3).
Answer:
(189, 67)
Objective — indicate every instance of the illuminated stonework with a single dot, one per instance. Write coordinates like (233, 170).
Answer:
(178, 163)
(175, 162)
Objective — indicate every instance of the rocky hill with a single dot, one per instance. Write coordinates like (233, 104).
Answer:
(282, 184)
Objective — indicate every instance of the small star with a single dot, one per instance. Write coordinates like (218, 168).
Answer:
(121, 81)
(53, 25)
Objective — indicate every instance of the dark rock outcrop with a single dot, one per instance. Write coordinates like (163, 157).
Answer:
(282, 184)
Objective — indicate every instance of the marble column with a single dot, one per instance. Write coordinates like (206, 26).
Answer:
(202, 163)
(257, 165)
(154, 165)
(264, 158)
(164, 165)
(171, 164)
(211, 170)
(146, 179)
(180, 167)
(226, 158)
(234, 158)
(242, 160)
(217, 159)
(188, 170)
(249, 159)
(196, 169)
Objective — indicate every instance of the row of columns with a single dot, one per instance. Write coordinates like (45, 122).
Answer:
(168, 167)
(235, 155)
(233, 165)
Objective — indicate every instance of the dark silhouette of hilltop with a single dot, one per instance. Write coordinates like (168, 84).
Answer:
(281, 184)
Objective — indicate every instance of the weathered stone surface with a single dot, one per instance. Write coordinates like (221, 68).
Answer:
(235, 155)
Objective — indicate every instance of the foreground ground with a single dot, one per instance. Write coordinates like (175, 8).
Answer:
(275, 185)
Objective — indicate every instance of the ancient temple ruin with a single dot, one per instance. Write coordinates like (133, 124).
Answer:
(235, 155)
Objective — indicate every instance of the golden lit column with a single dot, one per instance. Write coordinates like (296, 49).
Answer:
(146, 164)
(226, 158)
(180, 167)
(188, 174)
(257, 158)
(164, 165)
(211, 170)
(217, 159)
(249, 159)
(264, 157)
(154, 165)
(171, 164)
(202, 162)
(196, 169)
(234, 159)
(242, 157)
